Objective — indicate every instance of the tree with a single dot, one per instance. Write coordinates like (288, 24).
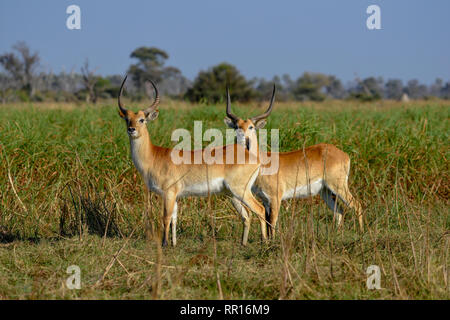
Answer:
(394, 89)
(375, 86)
(89, 82)
(264, 88)
(368, 89)
(334, 88)
(21, 67)
(104, 90)
(436, 88)
(310, 86)
(445, 91)
(289, 84)
(415, 90)
(6, 91)
(150, 65)
(174, 84)
(210, 85)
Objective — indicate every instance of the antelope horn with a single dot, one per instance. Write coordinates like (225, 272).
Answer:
(122, 109)
(155, 103)
(229, 114)
(269, 109)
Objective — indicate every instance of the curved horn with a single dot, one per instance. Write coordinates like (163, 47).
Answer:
(155, 103)
(269, 109)
(122, 109)
(229, 114)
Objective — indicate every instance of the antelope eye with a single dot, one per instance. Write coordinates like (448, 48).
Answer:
(251, 127)
(141, 120)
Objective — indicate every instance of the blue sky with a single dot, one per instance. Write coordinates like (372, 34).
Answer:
(262, 38)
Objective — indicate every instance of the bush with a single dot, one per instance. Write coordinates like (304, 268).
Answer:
(310, 86)
(23, 96)
(210, 85)
(364, 97)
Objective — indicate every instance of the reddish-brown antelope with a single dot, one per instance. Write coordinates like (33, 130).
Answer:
(319, 169)
(172, 181)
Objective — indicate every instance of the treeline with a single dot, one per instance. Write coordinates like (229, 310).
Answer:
(22, 79)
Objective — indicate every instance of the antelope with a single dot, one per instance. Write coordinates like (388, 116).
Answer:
(172, 181)
(319, 169)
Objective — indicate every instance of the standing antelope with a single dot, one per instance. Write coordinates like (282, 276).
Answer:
(172, 181)
(319, 169)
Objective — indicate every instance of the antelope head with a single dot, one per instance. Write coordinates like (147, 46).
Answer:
(136, 122)
(246, 129)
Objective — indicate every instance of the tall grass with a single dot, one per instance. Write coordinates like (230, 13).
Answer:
(69, 194)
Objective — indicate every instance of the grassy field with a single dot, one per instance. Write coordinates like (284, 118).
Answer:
(70, 195)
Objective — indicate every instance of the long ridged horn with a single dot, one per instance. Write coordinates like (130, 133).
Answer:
(155, 103)
(269, 109)
(122, 109)
(229, 114)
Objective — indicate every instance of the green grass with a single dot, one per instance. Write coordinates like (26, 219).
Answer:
(66, 172)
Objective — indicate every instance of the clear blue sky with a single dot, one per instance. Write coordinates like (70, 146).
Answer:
(262, 38)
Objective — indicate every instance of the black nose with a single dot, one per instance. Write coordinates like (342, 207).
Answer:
(131, 130)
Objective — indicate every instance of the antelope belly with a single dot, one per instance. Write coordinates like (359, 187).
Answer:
(304, 191)
(202, 189)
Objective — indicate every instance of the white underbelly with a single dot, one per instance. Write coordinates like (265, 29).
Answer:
(202, 189)
(304, 191)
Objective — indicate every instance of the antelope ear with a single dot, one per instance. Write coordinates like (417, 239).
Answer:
(260, 124)
(153, 115)
(229, 123)
(121, 114)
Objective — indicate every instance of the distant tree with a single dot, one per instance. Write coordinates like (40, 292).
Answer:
(174, 84)
(415, 90)
(150, 65)
(263, 88)
(114, 85)
(311, 86)
(6, 91)
(375, 86)
(436, 88)
(44, 80)
(394, 89)
(104, 90)
(445, 91)
(95, 87)
(210, 85)
(284, 86)
(334, 88)
(21, 67)
(89, 81)
(368, 89)
(68, 82)
(288, 83)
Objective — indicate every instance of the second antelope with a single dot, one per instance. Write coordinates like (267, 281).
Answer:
(319, 169)
(172, 181)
